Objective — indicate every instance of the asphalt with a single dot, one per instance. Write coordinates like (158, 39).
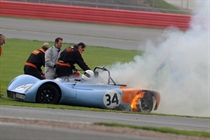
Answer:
(121, 37)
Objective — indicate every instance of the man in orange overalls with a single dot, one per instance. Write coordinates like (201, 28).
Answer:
(35, 61)
(68, 57)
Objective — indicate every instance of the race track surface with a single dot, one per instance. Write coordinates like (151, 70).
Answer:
(112, 36)
(39, 123)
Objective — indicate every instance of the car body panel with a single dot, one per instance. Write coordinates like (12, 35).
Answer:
(109, 96)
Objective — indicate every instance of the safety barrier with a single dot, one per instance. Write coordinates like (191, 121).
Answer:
(93, 15)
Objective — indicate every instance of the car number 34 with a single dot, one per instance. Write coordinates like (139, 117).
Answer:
(112, 99)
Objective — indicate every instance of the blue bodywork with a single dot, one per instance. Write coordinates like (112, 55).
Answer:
(26, 87)
(94, 93)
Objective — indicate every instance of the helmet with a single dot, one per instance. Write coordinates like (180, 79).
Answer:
(88, 75)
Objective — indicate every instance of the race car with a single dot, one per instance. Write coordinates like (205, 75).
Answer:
(99, 93)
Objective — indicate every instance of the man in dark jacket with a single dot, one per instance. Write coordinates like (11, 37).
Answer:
(35, 61)
(68, 57)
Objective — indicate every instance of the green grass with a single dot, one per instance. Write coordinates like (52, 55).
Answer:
(166, 7)
(163, 130)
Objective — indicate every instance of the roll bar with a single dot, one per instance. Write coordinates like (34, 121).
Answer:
(104, 69)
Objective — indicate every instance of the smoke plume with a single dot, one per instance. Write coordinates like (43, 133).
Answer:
(184, 79)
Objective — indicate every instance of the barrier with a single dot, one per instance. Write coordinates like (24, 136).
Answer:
(93, 15)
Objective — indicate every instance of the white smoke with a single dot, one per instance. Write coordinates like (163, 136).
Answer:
(190, 95)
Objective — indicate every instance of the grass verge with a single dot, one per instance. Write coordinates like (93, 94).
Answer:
(163, 130)
(165, 7)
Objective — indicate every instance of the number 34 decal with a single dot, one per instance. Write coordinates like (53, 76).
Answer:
(112, 99)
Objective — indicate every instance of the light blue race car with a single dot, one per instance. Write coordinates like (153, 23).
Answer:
(78, 92)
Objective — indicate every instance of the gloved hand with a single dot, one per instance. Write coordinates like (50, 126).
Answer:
(43, 76)
(76, 74)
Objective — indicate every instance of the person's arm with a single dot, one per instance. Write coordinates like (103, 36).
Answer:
(42, 59)
(80, 61)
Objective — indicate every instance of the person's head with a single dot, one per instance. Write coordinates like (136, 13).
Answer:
(58, 42)
(81, 47)
(45, 46)
(2, 39)
(88, 75)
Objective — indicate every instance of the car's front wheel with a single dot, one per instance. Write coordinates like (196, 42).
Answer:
(48, 93)
(142, 102)
(146, 103)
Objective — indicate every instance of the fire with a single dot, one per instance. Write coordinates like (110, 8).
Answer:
(135, 101)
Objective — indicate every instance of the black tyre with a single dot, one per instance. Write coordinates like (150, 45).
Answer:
(48, 94)
(146, 103)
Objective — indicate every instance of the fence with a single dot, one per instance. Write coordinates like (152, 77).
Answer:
(93, 15)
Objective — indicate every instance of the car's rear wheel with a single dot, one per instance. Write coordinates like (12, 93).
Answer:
(142, 102)
(48, 93)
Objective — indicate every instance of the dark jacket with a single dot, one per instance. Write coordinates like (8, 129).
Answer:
(37, 59)
(67, 59)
